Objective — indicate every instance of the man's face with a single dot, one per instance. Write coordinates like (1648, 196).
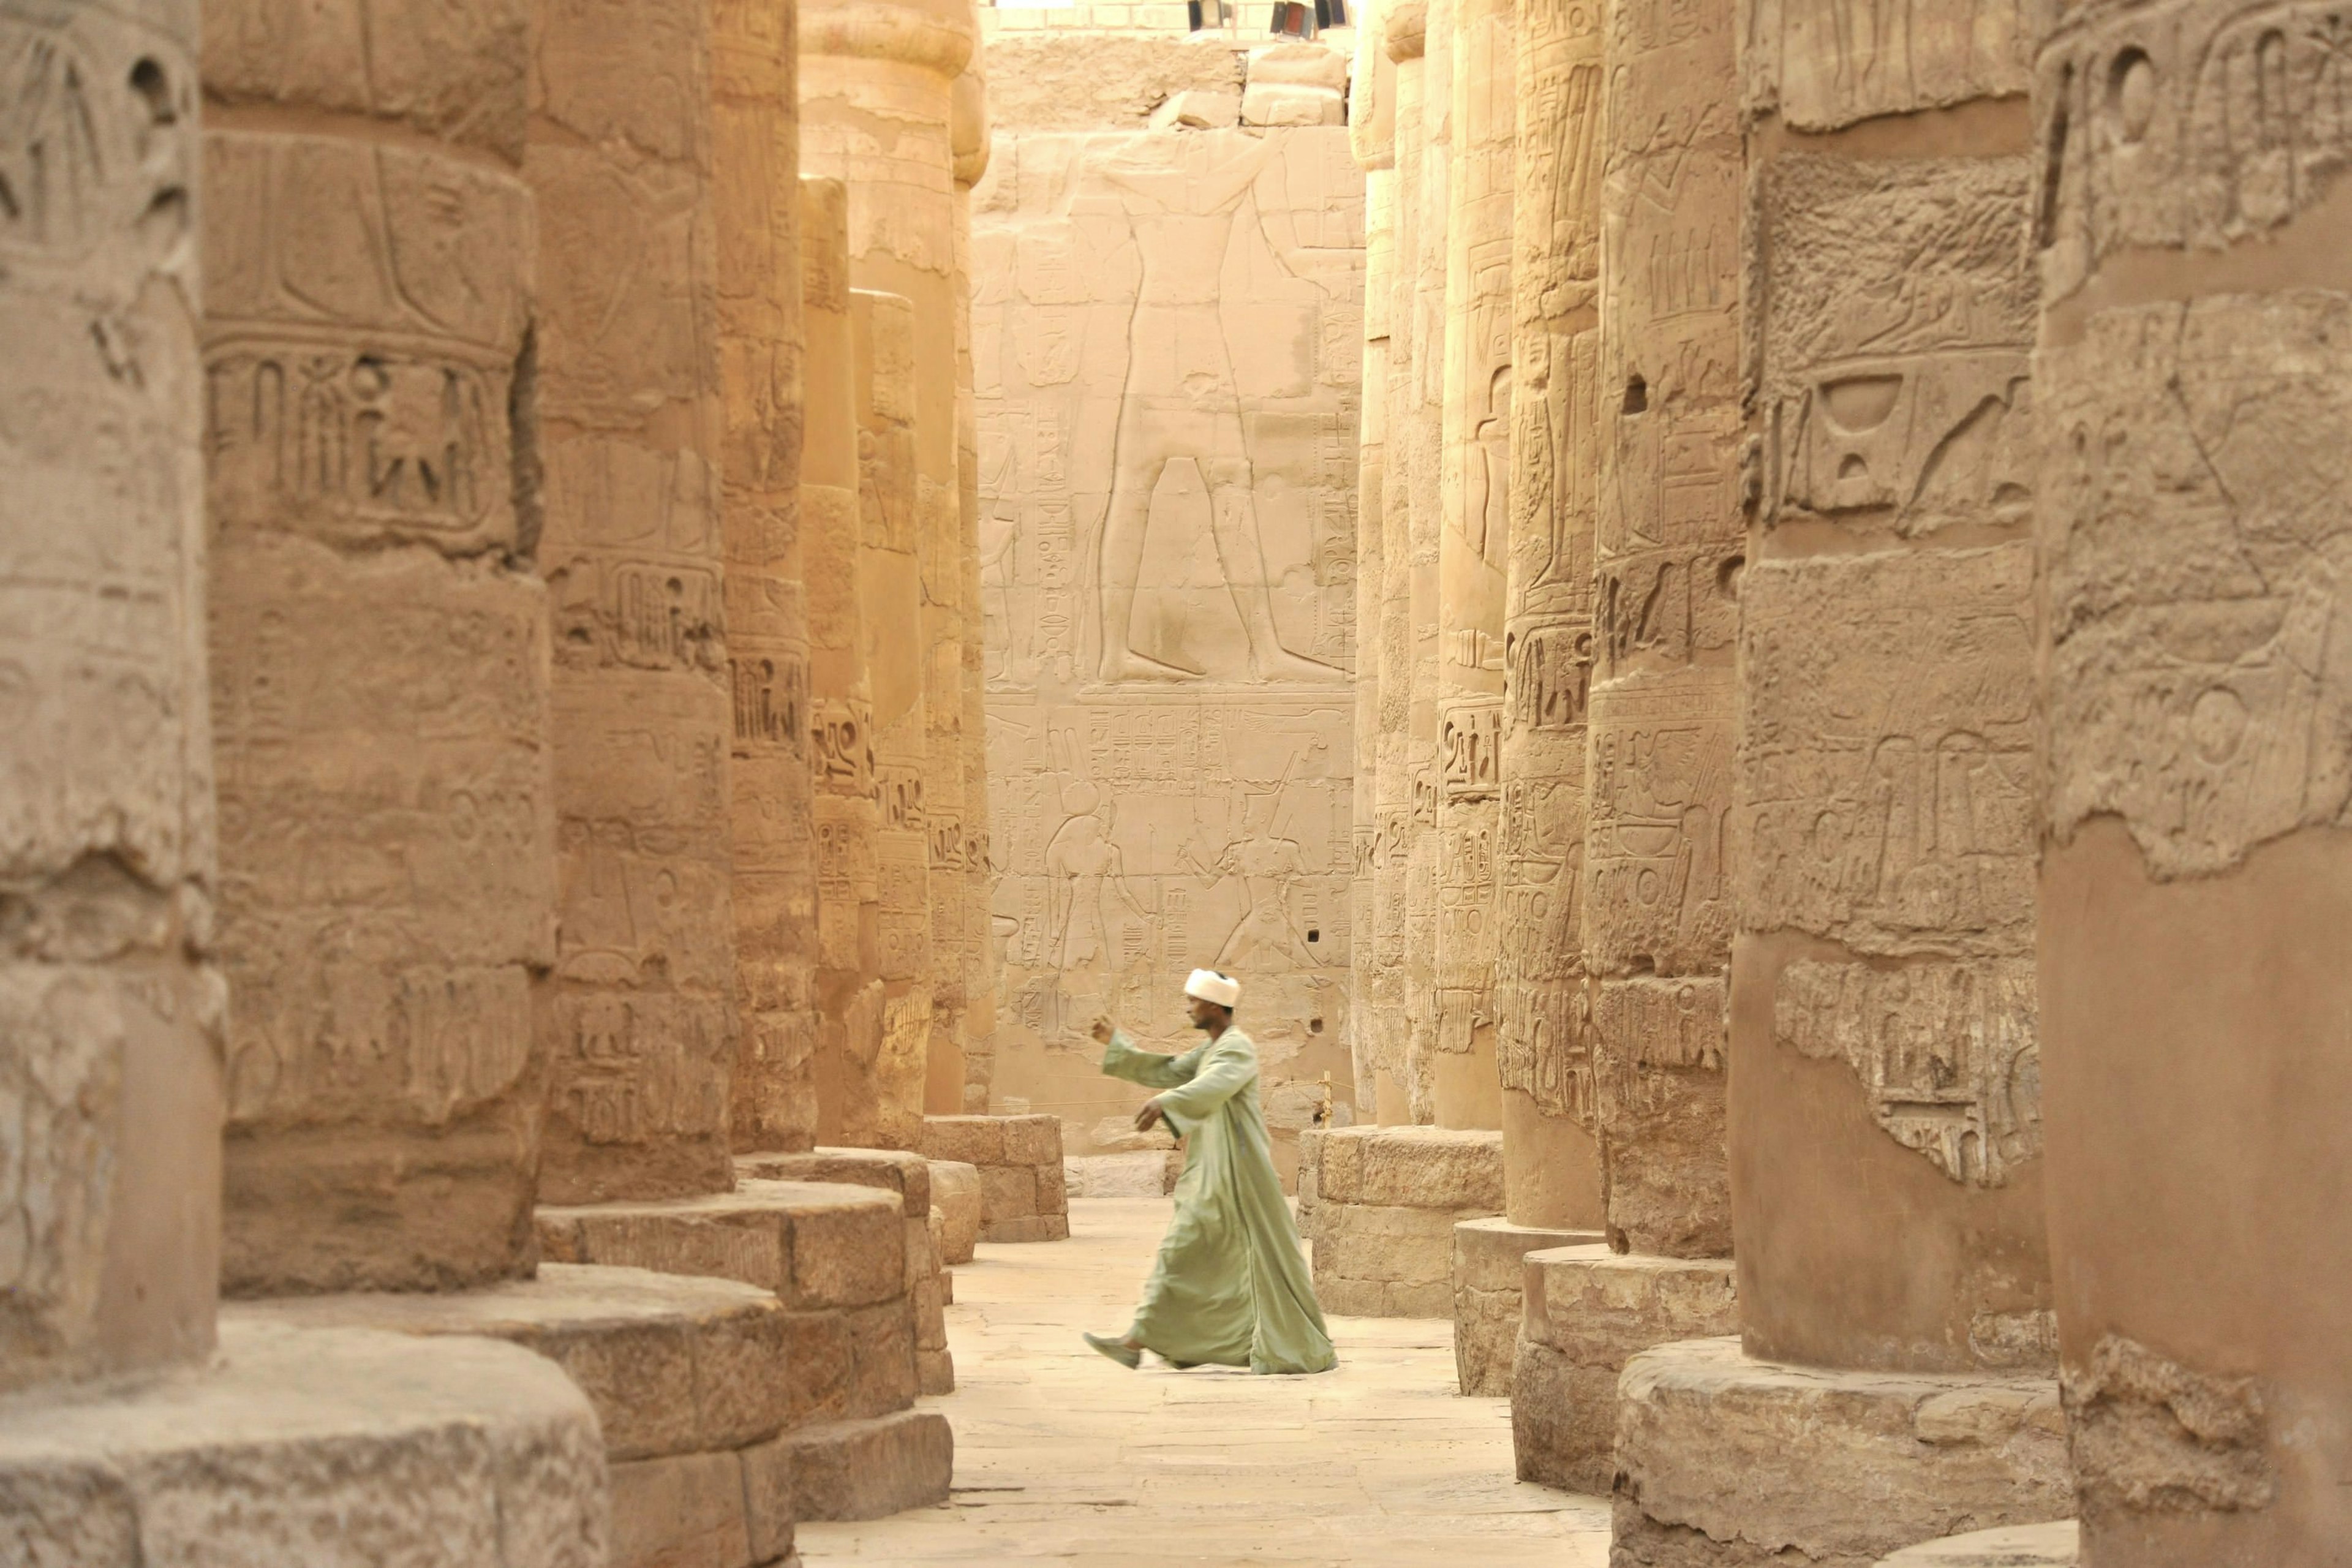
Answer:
(1204, 1014)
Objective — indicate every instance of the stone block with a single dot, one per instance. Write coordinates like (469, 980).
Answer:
(1288, 104)
(1141, 1174)
(767, 1501)
(1489, 1279)
(1728, 1462)
(1299, 65)
(1032, 1228)
(1007, 1191)
(955, 1195)
(1053, 1189)
(1198, 109)
(973, 1140)
(1586, 1312)
(674, 1364)
(332, 1447)
(1033, 1140)
(1073, 81)
(815, 1245)
(1414, 1167)
(868, 1469)
(892, 1170)
(686, 1510)
(2054, 1545)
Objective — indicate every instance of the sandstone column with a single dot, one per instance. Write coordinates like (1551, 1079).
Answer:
(1884, 1118)
(112, 1025)
(379, 653)
(1372, 136)
(756, 150)
(849, 962)
(2195, 396)
(1656, 421)
(1473, 501)
(639, 1017)
(882, 1106)
(1548, 1118)
(877, 113)
(1400, 1097)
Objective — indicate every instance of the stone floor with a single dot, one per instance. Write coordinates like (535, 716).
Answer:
(1065, 1458)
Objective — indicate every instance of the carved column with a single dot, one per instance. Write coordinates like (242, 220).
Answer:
(755, 126)
(1426, 408)
(1371, 135)
(968, 1092)
(109, 1004)
(1473, 500)
(2194, 392)
(1551, 1159)
(877, 113)
(882, 1104)
(1882, 1114)
(1667, 558)
(1396, 1099)
(379, 651)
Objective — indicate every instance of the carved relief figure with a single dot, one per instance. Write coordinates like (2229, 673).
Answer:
(1269, 866)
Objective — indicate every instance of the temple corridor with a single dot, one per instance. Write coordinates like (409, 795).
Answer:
(1063, 1457)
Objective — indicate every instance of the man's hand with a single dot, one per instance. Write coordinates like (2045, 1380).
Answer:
(1151, 1116)
(1103, 1030)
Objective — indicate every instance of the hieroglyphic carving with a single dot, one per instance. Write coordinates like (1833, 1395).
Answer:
(1948, 1054)
(1822, 64)
(1658, 898)
(1166, 796)
(108, 998)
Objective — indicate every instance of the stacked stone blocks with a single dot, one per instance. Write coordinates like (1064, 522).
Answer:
(1383, 1208)
(1022, 1194)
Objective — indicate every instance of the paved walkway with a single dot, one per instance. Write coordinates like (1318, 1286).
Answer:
(1065, 1458)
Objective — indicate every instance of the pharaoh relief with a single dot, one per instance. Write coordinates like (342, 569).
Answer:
(1166, 337)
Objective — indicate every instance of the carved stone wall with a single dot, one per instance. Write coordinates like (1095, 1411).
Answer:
(1884, 1109)
(1552, 1157)
(879, 95)
(1667, 557)
(380, 646)
(1474, 539)
(975, 1053)
(639, 1017)
(2194, 397)
(881, 1099)
(110, 1005)
(755, 51)
(844, 808)
(1167, 333)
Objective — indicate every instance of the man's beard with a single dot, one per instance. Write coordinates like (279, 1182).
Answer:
(1205, 1023)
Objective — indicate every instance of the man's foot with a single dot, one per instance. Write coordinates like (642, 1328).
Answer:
(1281, 664)
(1120, 1351)
(1126, 664)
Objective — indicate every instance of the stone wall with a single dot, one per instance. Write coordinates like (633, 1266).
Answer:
(1166, 340)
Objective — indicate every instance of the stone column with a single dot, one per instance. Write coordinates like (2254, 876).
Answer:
(1371, 137)
(846, 814)
(877, 113)
(969, 1093)
(883, 1105)
(756, 148)
(2194, 396)
(1474, 502)
(1400, 1095)
(1426, 407)
(1656, 421)
(1551, 1155)
(1667, 557)
(639, 1017)
(1884, 1118)
(379, 654)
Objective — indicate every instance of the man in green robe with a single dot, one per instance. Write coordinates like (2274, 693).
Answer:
(1231, 1287)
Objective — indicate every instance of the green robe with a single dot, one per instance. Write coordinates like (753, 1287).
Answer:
(1231, 1287)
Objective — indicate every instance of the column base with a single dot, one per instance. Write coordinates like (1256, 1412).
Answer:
(955, 1193)
(873, 1468)
(1384, 1203)
(832, 1253)
(1728, 1462)
(690, 1380)
(1489, 1286)
(2057, 1545)
(1588, 1311)
(910, 1176)
(1023, 1198)
(335, 1448)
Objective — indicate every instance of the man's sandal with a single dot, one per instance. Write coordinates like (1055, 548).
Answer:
(1126, 1354)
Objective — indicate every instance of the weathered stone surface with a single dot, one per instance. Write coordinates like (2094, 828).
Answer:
(1587, 1312)
(1167, 339)
(955, 1196)
(343, 1448)
(866, 1469)
(1818, 75)
(1197, 109)
(110, 1009)
(1019, 1162)
(1489, 1273)
(1415, 1167)
(686, 1510)
(1376, 1261)
(1727, 1460)
(1092, 82)
(814, 1244)
(1141, 1175)
(673, 1364)
(2053, 1545)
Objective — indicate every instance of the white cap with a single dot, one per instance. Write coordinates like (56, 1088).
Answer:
(1210, 986)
